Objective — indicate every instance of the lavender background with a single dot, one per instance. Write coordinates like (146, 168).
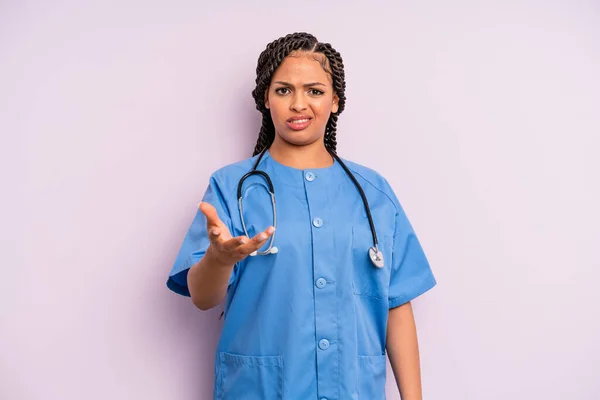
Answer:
(483, 115)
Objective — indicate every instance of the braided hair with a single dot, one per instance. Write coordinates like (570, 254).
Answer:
(270, 59)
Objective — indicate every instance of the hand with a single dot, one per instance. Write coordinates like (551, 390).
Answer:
(225, 249)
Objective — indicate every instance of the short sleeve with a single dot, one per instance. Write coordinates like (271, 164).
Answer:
(196, 241)
(411, 274)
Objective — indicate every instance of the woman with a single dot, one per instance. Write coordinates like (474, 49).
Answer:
(311, 315)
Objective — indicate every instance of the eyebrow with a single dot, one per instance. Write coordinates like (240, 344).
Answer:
(305, 85)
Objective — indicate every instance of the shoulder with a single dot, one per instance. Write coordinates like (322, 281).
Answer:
(372, 179)
(234, 170)
(227, 177)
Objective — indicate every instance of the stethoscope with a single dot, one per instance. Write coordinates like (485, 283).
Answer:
(375, 254)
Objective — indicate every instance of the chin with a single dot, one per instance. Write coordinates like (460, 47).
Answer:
(300, 141)
(300, 138)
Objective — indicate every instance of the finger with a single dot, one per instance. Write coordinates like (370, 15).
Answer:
(212, 217)
(257, 241)
(232, 244)
(221, 235)
(215, 235)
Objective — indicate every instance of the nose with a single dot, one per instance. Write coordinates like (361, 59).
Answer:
(298, 103)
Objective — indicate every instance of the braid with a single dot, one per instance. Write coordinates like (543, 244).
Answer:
(339, 86)
(330, 140)
(267, 134)
(270, 59)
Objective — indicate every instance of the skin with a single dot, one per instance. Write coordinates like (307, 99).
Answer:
(300, 86)
(403, 351)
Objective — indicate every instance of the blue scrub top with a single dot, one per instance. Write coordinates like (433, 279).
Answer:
(310, 321)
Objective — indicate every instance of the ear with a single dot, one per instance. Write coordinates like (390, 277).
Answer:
(267, 99)
(335, 106)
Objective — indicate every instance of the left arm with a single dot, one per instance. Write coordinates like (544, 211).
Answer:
(403, 351)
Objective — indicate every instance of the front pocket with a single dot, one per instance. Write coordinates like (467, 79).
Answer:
(250, 377)
(371, 379)
(368, 280)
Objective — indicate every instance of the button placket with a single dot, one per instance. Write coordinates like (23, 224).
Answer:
(317, 191)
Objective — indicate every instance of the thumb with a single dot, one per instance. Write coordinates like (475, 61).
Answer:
(212, 217)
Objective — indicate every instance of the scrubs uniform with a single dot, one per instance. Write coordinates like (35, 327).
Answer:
(310, 321)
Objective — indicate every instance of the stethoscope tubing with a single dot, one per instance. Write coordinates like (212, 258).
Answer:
(374, 253)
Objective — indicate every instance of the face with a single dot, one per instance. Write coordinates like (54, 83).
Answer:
(301, 99)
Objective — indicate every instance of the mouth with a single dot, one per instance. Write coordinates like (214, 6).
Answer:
(299, 122)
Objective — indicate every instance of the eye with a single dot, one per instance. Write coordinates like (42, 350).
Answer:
(282, 90)
(316, 92)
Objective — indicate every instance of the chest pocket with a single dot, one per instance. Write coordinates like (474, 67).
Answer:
(368, 280)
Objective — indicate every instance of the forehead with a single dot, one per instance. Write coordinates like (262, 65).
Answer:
(301, 69)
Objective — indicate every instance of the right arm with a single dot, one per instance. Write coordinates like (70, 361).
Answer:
(208, 279)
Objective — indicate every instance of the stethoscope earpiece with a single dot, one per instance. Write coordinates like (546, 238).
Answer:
(376, 257)
(272, 250)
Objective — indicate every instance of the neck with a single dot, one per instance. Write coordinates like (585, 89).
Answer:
(313, 155)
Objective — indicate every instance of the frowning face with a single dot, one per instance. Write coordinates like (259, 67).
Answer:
(301, 99)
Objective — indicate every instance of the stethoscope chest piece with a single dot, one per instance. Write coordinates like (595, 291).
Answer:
(376, 257)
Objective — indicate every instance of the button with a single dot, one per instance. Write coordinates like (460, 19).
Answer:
(318, 222)
(323, 398)
(310, 176)
(321, 283)
(323, 344)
